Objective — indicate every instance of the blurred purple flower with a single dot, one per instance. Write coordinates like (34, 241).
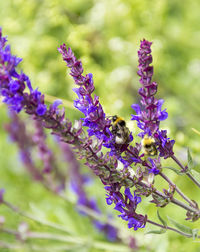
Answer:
(17, 131)
(2, 191)
(78, 182)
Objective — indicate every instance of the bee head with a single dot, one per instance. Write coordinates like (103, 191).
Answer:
(114, 118)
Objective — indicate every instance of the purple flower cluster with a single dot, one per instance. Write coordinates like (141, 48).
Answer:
(126, 205)
(165, 145)
(154, 166)
(17, 131)
(13, 84)
(32, 102)
(95, 119)
(150, 115)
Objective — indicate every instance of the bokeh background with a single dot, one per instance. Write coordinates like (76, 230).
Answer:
(106, 36)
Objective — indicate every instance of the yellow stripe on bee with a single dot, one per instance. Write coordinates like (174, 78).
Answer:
(118, 119)
(148, 141)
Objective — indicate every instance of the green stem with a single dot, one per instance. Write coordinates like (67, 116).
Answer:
(177, 189)
(187, 173)
(33, 247)
(170, 228)
(173, 200)
(72, 239)
(33, 218)
(91, 213)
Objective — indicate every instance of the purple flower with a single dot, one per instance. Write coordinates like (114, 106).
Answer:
(154, 168)
(137, 223)
(109, 199)
(56, 103)
(111, 232)
(41, 109)
(165, 145)
(126, 205)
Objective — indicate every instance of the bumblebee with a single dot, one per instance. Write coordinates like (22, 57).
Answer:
(149, 146)
(119, 130)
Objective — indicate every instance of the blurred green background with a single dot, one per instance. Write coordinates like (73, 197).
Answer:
(105, 35)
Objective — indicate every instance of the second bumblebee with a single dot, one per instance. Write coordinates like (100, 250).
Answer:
(149, 146)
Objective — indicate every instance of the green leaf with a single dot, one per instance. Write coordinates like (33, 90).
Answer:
(195, 233)
(181, 227)
(196, 168)
(175, 170)
(196, 175)
(161, 231)
(161, 220)
(191, 163)
(190, 160)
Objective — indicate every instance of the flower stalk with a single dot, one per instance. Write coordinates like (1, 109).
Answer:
(170, 228)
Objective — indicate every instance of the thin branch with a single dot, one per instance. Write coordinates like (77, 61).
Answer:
(91, 213)
(184, 170)
(191, 203)
(33, 218)
(170, 228)
(71, 239)
(173, 200)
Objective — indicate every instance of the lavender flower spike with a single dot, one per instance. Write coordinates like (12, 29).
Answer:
(150, 113)
(95, 118)
(150, 116)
